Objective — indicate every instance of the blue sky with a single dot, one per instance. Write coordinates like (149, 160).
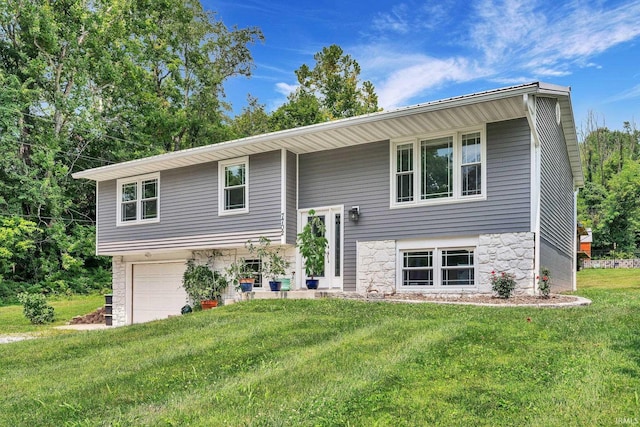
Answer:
(419, 51)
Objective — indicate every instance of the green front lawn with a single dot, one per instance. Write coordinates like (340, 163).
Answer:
(12, 320)
(334, 362)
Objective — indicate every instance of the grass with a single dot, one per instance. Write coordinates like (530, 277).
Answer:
(340, 363)
(12, 320)
(612, 278)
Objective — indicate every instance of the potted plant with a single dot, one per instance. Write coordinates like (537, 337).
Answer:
(274, 265)
(312, 244)
(241, 275)
(203, 286)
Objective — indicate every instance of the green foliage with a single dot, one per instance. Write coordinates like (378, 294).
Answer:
(239, 270)
(201, 283)
(621, 221)
(544, 282)
(328, 91)
(335, 81)
(254, 120)
(84, 84)
(16, 242)
(274, 265)
(35, 308)
(503, 284)
(312, 244)
(609, 201)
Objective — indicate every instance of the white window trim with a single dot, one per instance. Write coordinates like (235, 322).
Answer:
(437, 246)
(457, 168)
(221, 179)
(138, 181)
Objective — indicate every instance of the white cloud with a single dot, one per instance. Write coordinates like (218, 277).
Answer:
(427, 73)
(549, 39)
(285, 88)
(495, 40)
(395, 21)
(550, 72)
(630, 93)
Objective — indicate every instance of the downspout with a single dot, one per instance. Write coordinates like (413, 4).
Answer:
(530, 112)
(576, 238)
(283, 196)
(298, 269)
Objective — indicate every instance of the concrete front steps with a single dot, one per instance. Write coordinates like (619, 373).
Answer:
(296, 294)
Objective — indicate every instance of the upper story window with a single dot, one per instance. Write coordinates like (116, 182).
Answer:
(138, 199)
(233, 186)
(449, 167)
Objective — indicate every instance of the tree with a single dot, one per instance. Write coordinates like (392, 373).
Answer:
(330, 90)
(301, 109)
(606, 203)
(85, 83)
(254, 120)
(335, 81)
(182, 55)
(620, 226)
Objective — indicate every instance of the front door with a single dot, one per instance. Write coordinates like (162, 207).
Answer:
(332, 217)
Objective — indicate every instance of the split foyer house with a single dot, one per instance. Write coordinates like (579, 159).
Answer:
(428, 198)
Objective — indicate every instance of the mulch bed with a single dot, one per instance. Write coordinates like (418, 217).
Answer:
(93, 318)
(481, 299)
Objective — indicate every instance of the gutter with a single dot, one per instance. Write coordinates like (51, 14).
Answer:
(282, 136)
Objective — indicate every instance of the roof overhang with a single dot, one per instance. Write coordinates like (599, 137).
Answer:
(452, 113)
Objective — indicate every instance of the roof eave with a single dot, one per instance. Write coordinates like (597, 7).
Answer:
(287, 138)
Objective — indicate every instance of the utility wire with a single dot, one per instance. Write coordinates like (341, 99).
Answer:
(46, 217)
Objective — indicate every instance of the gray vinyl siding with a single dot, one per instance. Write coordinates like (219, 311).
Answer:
(291, 194)
(559, 264)
(557, 222)
(360, 175)
(189, 204)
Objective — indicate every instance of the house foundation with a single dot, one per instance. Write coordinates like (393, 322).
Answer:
(513, 253)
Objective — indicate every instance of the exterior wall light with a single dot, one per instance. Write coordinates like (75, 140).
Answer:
(354, 213)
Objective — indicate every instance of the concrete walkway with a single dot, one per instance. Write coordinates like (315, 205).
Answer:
(89, 327)
(9, 338)
(6, 339)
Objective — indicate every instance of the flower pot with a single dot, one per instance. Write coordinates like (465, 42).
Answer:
(208, 304)
(285, 284)
(275, 285)
(246, 285)
(312, 283)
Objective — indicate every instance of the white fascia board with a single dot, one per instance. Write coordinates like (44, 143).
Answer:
(282, 138)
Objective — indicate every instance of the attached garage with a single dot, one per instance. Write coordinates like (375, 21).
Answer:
(157, 291)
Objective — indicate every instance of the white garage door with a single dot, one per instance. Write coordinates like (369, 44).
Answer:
(157, 291)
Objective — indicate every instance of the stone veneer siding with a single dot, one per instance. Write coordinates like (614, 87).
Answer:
(376, 267)
(506, 252)
(509, 253)
(118, 282)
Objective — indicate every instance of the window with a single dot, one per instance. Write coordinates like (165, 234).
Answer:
(457, 267)
(138, 199)
(438, 169)
(417, 269)
(233, 187)
(256, 266)
(471, 164)
(436, 157)
(440, 265)
(404, 172)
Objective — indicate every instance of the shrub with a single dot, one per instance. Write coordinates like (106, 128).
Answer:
(35, 308)
(503, 284)
(544, 283)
